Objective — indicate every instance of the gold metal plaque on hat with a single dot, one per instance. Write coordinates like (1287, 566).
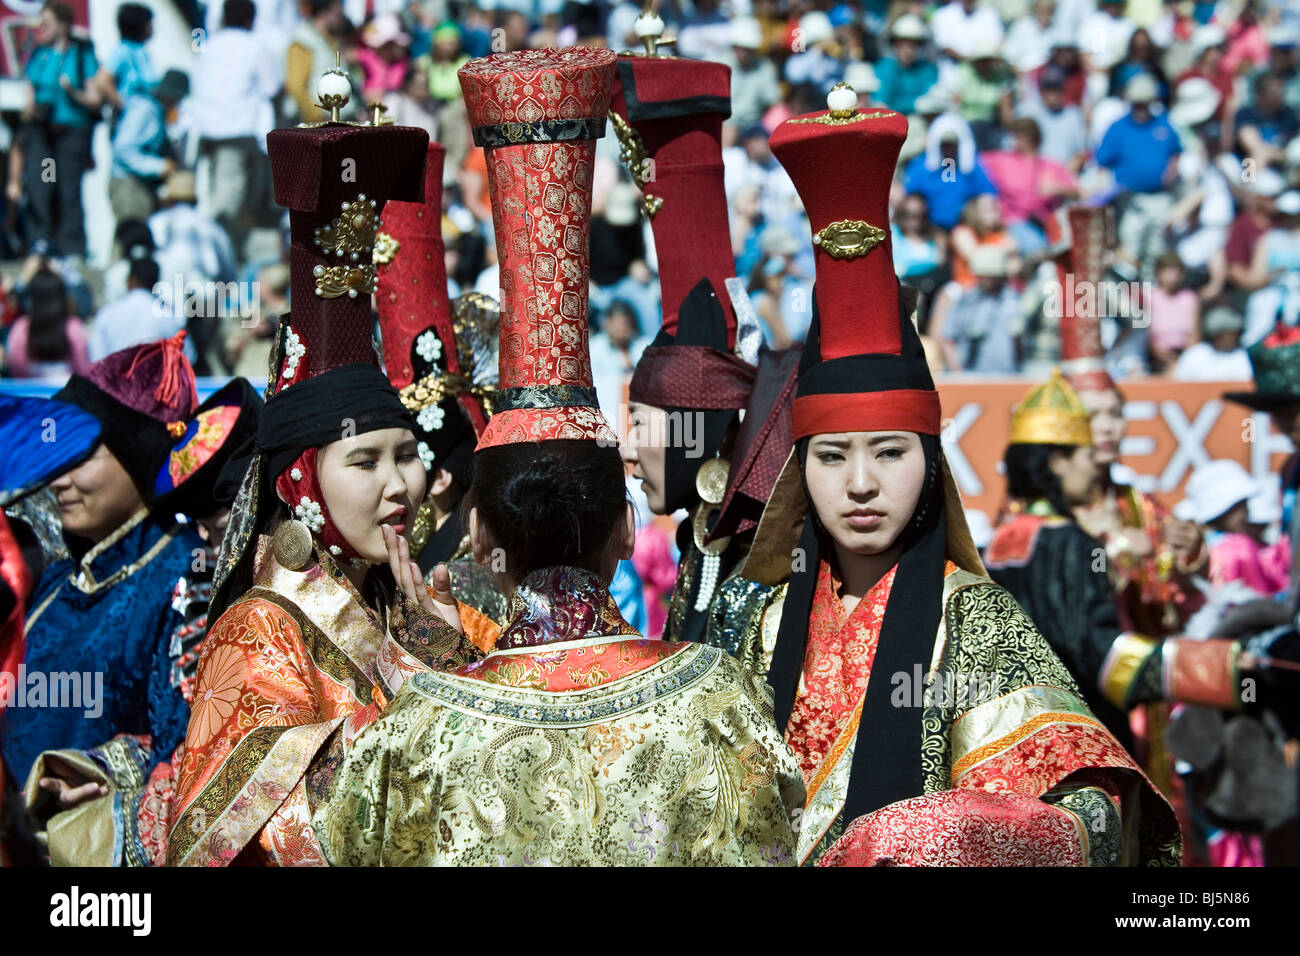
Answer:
(848, 238)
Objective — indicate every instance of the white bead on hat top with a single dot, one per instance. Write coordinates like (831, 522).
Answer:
(842, 100)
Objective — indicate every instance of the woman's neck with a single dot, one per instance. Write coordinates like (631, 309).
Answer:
(859, 573)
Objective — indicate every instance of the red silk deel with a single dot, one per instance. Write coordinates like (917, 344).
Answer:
(907, 410)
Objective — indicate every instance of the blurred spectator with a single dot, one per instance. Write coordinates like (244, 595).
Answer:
(1219, 357)
(919, 248)
(616, 347)
(781, 293)
(1060, 124)
(47, 342)
(412, 105)
(141, 151)
(1275, 272)
(384, 55)
(1218, 498)
(58, 120)
(904, 76)
(754, 84)
(1253, 220)
(194, 253)
(986, 87)
(1265, 126)
(1029, 41)
(131, 240)
(1141, 57)
(442, 62)
(139, 316)
(705, 33)
(1104, 35)
(1174, 312)
(1030, 187)
(311, 53)
(813, 61)
(1139, 147)
(248, 339)
(1207, 45)
(961, 25)
(1199, 220)
(981, 226)
(981, 331)
(947, 174)
(129, 70)
(1247, 44)
(751, 164)
(618, 255)
(234, 82)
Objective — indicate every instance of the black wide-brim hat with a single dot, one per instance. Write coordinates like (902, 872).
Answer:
(1276, 364)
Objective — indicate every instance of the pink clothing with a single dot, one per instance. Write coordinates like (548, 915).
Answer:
(381, 76)
(1021, 181)
(652, 556)
(1239, 557)
(1246, 44)
(1173, 319)
(1228, 848)
(21, 366)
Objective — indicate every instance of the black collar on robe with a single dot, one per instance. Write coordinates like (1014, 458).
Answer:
(887, 752)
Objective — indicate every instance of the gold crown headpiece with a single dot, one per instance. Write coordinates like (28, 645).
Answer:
(1051, 414)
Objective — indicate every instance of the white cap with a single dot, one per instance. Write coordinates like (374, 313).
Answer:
(1195, 101)
(1288, 204)
(937, 99)
(1267, 182)
(989, 260)
(1214, 489)
(862, 77)
(909, 27)
(1205, 37)
(747, 33)
(815, 26)
(1265, 506)
(1141, 89)
(985, 48)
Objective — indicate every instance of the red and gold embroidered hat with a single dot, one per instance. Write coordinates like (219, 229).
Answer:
(538, 113)
(668, 114)
(421, 349)
(1080, 268)
(863, 368)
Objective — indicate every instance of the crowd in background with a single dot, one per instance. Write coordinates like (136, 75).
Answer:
(1181, 116)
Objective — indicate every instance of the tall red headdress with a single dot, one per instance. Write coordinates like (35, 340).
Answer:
(1081, 264)
(538, 113)
(863, 367)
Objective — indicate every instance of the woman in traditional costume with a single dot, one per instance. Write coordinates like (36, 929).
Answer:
(441, 356)
(575, 741)
(304, 651)
(932, 722)
(98, 673)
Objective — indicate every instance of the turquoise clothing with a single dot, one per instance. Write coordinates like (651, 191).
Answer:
(77, 62)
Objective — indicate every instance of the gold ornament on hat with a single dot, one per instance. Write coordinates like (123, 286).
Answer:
(351, 234)
(633, 154)
(386, 248)
(848, 238)
(843, 108)
(1051, 414)
(292, 544)
(333, 92)
(649, 29)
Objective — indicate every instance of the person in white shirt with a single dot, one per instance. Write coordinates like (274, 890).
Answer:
(1219, 357)
(961, 25)
(1029, 39)
(234, 82)
(139, 316)
(1103, 37)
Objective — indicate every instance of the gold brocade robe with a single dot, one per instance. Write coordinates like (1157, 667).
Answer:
(288, 675)
(594, 747)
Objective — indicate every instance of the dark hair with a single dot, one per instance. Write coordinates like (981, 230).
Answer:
(133, 233)
(549, 503)
(133, 20)
(316, 7)
(238, 14)
(47, 337)
(62, 12)
(1027, 127)
(1029, 476)
(622, 305)
(144, 273)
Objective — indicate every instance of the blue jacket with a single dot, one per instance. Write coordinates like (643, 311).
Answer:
(81, 624)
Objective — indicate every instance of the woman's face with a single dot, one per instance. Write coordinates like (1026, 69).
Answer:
(371, 480)
(1106, 412)
(865, 486)
(911, 217)
(644, 450)
(97, 496)
(1077, 472)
